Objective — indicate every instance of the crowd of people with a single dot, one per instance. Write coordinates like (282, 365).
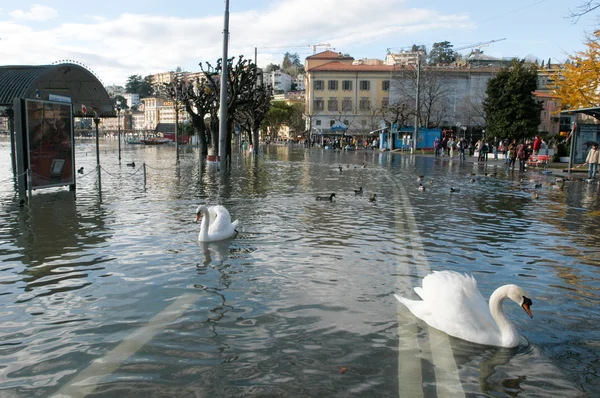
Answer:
(512, 151)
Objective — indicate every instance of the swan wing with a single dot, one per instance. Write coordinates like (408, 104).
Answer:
(452, 303)
(221, 226)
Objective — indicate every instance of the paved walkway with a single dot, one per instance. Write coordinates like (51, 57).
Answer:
(554, 168)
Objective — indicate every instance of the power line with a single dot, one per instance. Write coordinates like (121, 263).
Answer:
(511, 12)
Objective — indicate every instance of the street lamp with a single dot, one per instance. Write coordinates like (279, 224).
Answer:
(119, 127)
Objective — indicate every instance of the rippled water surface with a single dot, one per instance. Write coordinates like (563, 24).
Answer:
(112, 295)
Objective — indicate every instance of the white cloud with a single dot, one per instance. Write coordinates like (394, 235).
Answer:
(37, 12)
(142, 44)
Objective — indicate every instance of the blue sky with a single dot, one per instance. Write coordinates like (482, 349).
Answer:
(120, 38)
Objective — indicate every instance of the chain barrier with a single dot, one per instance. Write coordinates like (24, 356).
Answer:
(12, 178)
(87, 174)
(127, 174)
(161, 169)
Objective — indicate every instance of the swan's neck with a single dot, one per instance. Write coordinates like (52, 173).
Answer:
(508, 332)
(204, 225)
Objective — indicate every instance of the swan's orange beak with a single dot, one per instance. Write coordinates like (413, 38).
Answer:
(198, 216)
(527, 309)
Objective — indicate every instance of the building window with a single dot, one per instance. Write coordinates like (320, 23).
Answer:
(365, 104)
(317, 122)
(365, 85)
(319, 85)
(332, 105)
(347, 85)
(331, 123)
(347, 105)
(332, 85)
(385, 102)
(385, 85)
(319, 105)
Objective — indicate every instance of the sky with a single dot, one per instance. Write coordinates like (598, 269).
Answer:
(116, 39)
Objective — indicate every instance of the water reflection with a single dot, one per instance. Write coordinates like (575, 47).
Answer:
(53, 238)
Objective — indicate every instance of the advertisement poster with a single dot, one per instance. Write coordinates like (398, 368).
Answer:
(587, 135)
(50, 142)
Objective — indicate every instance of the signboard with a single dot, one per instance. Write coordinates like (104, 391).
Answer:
(49, 136)
(59, 98)
(586, 135)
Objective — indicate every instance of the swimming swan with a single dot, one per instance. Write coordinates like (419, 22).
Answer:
(216, 223)
(452, 303)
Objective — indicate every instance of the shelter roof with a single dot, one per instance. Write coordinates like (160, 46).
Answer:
(66, 79)
(165, 128)
(594, 112)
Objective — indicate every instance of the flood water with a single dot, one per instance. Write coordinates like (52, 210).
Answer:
(111, 294)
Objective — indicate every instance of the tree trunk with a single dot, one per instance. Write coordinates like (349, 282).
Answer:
(229, 137)
(214, 134)
(255, 134)
(201, 127)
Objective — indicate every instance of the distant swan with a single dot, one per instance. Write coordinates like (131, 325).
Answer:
(452, 303)
(216, 223)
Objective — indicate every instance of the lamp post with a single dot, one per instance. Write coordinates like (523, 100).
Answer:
(119, 127)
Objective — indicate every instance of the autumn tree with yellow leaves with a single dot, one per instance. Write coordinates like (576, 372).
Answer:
(579, 83)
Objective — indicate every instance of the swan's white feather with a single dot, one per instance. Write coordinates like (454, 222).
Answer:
(220, 226)
(452, 303)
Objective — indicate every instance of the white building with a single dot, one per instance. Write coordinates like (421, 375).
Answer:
(280, 81)
(115, 90)
(403, 58)
(132, 99)
(299, 81)
(138, 120)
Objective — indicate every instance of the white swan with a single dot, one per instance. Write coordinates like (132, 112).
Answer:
(452, 303)
(216, 223)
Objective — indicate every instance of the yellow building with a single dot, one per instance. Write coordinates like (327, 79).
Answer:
(341, 89)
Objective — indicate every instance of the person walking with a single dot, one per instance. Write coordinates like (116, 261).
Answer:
(512, 150)
(537, 144)
(462, 148)
(522, 156)
(592, 160)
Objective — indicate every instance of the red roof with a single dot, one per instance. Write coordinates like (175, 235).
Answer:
(329, 55)
(342, 67)
(543, 94)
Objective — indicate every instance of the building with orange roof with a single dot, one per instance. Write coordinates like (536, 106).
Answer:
(340, 89)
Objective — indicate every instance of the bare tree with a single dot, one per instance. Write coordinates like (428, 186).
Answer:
(584, 8)
(242, 78)
(251, 115)
(435, 93)
(434, 88)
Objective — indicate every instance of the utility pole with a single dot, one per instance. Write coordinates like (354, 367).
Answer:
(119, 127)
(223, 99)
(417, 110)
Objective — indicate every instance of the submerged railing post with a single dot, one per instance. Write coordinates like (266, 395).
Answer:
(29, 182)
(144, 166)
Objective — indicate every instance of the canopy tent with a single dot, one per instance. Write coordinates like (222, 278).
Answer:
(339, 126)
